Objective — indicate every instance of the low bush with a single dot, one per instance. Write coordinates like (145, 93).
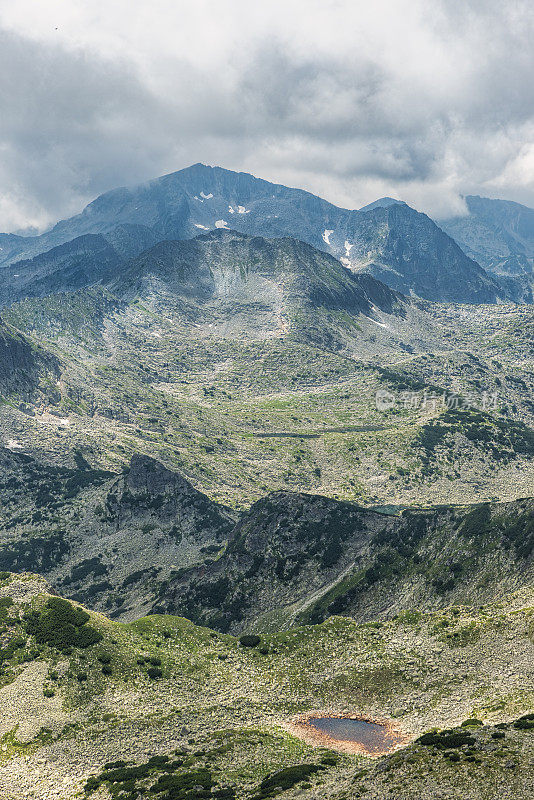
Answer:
(249, 640)
(158, 761)
(525, 723)
(62, 626)
(177, 785)
(286, 778)
(446, 739)
(154, 673)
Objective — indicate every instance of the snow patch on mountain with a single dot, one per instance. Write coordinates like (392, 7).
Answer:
(326, 236)
(376, 321)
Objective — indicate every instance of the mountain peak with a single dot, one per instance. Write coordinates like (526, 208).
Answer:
(416, 257)
(383, 202)
(499, 234)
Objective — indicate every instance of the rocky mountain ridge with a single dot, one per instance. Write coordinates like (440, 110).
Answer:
(404, 248)
(147, 540)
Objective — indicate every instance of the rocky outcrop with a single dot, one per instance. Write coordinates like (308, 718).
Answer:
(149, 489)
(148, 541)
(23, 364)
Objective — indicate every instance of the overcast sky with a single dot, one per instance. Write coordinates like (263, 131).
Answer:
(419, 99)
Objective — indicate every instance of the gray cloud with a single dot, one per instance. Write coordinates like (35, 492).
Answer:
(70, 127)
(424, 101)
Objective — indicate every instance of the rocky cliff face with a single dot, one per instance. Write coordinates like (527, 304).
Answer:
(225, 267)
(81, 262)
(147, 541)
(151, 490)
(299, 559)
(23, 364)
(407, 251)
(104, 539)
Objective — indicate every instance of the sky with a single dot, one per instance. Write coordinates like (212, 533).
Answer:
(421, 101)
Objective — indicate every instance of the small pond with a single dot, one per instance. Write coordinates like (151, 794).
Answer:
(372, 737)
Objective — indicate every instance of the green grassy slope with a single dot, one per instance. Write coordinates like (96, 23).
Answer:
(164, 687)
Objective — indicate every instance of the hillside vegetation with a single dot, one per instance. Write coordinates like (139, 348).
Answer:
(160, 702)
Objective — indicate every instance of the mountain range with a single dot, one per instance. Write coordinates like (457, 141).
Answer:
(266, 464)
(391, 241)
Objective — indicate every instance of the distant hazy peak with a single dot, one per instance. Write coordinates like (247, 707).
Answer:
(475, 203)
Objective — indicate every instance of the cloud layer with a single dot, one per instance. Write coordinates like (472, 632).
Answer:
(421, 100)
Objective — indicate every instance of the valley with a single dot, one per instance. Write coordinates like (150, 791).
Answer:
(247, 482)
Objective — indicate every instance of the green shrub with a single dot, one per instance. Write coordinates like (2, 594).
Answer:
(329, 760)
(288, 777)
(178, 786)
(472, 723)
(87, 636)
(524, 723)
(249, 640)
(8, 651)
(154, 673)
(107, 670)
(62, 626)
(158, 761)
(445, 739)
(92, 784)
